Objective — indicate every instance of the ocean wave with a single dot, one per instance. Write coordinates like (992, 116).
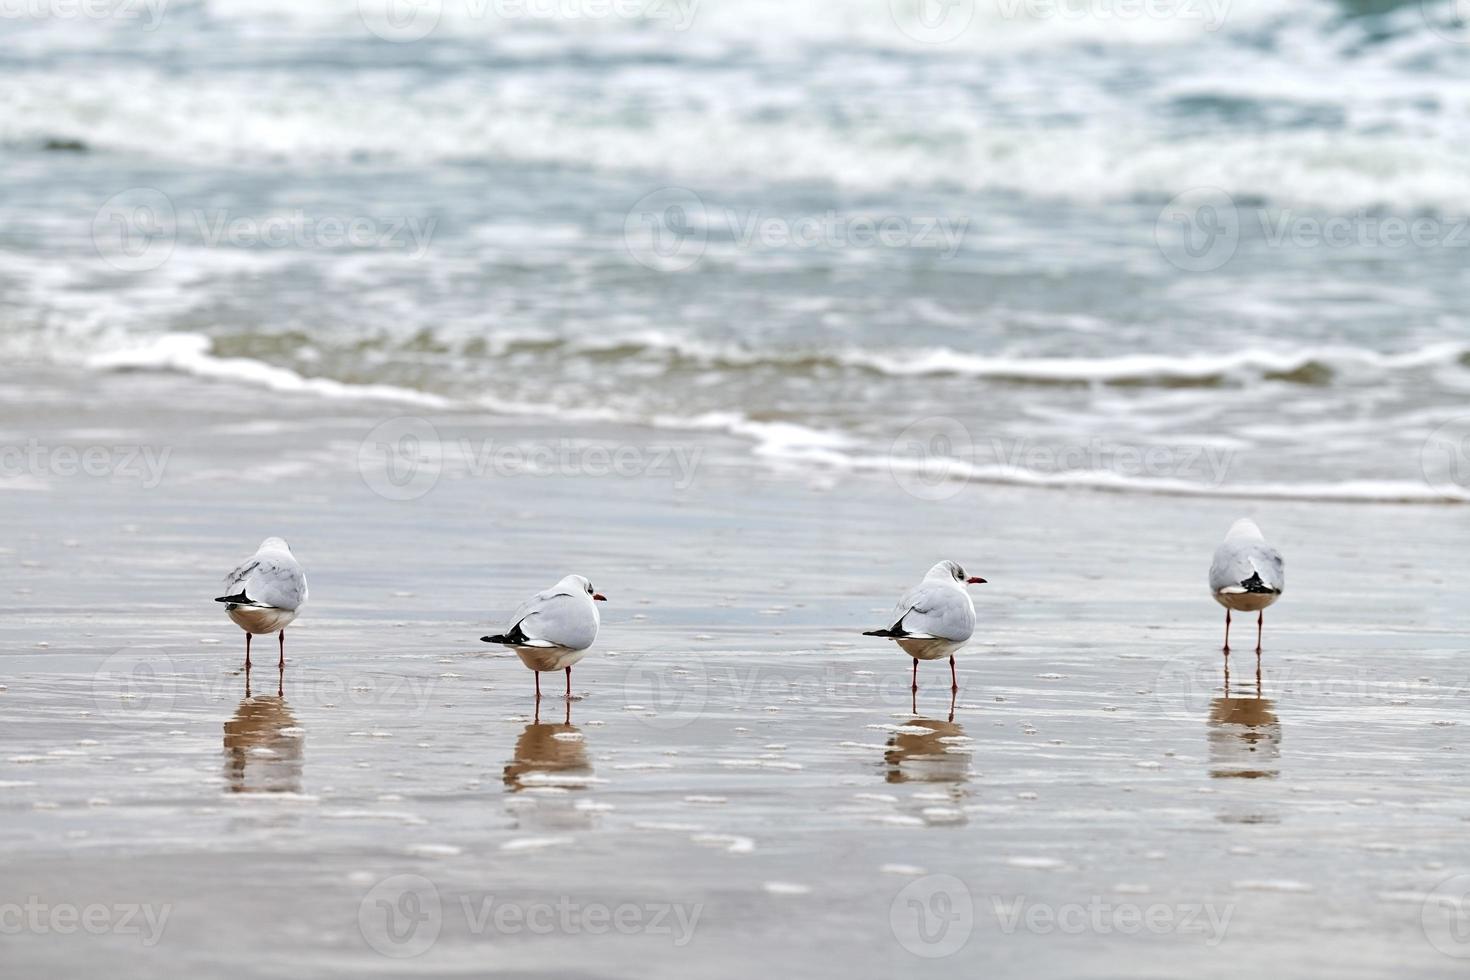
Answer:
(781, 441)
(187, 353)
(958, 471)
(1346, 121)
(1314, 365)
(1410, 165)
(191, 353)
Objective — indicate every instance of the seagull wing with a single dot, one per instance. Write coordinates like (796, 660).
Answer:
(555, 619)
(275, 581)
(934, 610)
(1247, 566)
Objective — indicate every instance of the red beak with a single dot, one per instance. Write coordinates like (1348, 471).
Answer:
(599, 597)
(974, 580)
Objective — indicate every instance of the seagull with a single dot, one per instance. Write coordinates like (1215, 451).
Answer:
(934, 618)
(1247, 575)
(553, 629)
(265, 594)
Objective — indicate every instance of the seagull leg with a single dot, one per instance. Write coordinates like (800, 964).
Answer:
(281, 681)
(569, 685)
(954, 682)
(915, 687)
(282, 664)
(1227, 632)
(1260, 625)
(537, 675)
(247, 653)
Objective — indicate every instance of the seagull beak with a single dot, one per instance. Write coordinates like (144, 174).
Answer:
(974, 580)
(599, 597)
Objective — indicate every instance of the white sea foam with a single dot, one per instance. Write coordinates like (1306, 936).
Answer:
(188, 353)
(690, 106)
(793, 442)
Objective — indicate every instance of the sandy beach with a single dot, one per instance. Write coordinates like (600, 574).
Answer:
(743, 764)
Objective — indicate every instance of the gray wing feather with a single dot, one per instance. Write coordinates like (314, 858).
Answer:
(276, 582)
(1235, 562)
(936, 610)
(557, 618)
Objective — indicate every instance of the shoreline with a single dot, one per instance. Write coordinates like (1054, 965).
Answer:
(740, 746)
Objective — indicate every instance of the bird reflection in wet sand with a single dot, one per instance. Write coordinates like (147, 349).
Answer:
(1245, 734)
(927, 750)
(549, 755)
(263, 744)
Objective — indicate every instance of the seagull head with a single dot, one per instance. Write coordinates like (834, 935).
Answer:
(952, 570)
(579, 582)
(1245, 529)
(275, 544)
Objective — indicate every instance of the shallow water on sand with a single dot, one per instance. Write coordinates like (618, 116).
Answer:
(1099, 797)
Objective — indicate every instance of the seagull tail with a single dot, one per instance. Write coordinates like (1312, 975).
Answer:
(514, 638)
(1255, 584)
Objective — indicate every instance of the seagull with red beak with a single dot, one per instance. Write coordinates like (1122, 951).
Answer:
(934, 618)
(553, 629)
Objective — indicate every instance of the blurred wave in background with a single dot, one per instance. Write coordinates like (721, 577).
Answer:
(1046, 235)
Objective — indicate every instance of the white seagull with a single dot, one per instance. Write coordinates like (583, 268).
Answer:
(1247, 575)
(553, 629)
(265, 594)
(934, 618)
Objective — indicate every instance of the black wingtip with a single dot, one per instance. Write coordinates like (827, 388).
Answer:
(240, 600)
(1255, 585)
(889, 634)
(497, 638)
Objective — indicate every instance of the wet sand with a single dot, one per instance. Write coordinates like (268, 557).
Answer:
(745, 784)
